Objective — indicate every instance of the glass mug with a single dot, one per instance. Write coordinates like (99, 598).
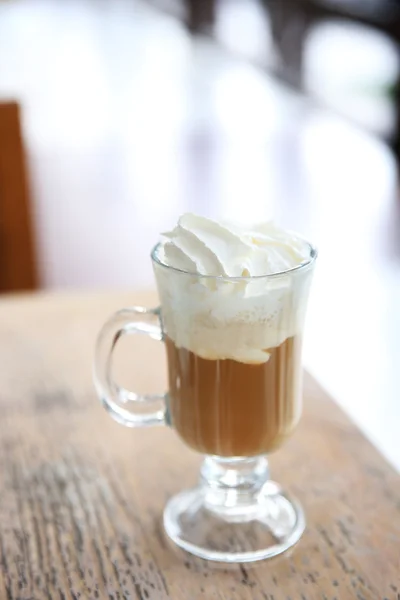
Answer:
(234, 369)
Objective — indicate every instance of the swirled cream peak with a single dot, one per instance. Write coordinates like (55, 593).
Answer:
(200, 245)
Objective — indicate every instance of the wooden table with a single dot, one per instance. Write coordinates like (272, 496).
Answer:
(81, 497)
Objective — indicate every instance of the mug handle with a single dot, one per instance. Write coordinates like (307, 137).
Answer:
(148, 409)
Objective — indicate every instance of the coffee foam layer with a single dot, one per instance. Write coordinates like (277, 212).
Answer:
(218, 318)
(231, 320)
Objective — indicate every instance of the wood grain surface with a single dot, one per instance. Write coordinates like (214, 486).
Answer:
(81, 497)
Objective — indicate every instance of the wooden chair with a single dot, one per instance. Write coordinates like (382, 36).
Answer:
(200, 14)
(17, 255)
(291, 21)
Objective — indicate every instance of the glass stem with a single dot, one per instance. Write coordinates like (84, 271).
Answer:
(232, 486)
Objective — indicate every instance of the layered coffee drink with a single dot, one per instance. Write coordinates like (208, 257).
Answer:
(233, 315)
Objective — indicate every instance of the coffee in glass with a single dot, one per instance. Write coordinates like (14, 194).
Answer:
(228, 408)
(232, 313)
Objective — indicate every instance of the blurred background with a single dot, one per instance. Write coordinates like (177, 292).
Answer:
(116, 116)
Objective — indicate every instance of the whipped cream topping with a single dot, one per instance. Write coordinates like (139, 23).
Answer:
(220, 318)
(200, 245)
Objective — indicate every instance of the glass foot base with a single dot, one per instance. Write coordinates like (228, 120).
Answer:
(234, 530)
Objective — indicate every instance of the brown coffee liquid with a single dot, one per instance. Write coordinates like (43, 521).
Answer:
(230, 408)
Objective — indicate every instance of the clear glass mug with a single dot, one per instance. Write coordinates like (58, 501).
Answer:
(235, 375)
